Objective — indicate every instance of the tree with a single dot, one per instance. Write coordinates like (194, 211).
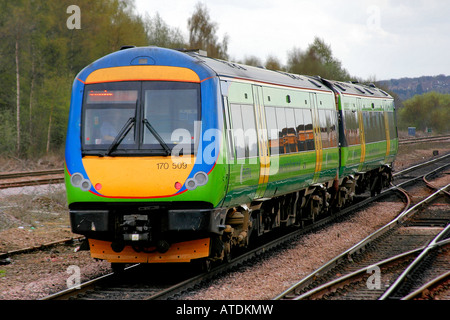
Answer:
(161, 35)
(40, 58)
(202, 34)
(272, 63)
(252, 61)
(429, 110)
(317, 60)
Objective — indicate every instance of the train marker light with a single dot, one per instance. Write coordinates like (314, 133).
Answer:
(85, 185)
(190, 184)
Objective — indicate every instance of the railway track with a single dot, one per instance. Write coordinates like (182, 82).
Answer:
(386, 265)
(6, 256)
(424, 139)
(22, 179)
(147, 288)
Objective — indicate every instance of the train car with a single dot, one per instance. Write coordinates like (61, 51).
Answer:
(172, 156)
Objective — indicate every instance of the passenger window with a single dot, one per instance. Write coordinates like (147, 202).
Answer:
(323, 128)
(272, 130)
(309, 135)
(244, 130)
(282, 129)
(332, 128)
(238, 130)
(251, 141)
(351, 127)
(300, 126)
(291, 134)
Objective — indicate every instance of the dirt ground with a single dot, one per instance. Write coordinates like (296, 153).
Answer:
(33, 216)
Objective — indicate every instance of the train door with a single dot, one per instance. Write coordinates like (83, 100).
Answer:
(317, 135)
(386, 128)
(362, 136)
(263, 145)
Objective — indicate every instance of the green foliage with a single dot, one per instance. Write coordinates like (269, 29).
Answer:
(317, 60)
(429, 110)
(36, 79)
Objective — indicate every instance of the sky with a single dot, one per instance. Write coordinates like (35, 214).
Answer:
(373, 39)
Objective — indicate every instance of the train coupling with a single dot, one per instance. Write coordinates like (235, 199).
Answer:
(136, 227)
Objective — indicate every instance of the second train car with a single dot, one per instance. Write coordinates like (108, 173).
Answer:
(173, 156)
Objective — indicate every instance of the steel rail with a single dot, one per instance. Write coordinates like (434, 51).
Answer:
(428, 286)
(407, 212)
(12, 175)
(436, 242)
(23, 179)
(363, 271)
(83, 287)
(424, 139)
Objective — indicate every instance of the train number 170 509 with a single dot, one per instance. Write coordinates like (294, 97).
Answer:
(166, 165)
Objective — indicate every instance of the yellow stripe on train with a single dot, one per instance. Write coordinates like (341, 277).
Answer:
(137, 73)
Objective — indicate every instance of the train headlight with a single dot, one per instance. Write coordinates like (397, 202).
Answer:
(200, 179)
(78, 181)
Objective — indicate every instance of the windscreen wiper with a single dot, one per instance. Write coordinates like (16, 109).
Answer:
(122, 134)
(157, 136)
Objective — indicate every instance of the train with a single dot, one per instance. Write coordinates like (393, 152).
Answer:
(176, 157)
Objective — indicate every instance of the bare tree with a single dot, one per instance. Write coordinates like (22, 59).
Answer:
(202, 33)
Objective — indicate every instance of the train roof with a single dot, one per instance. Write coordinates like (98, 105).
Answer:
(359, 89)
(239, 71)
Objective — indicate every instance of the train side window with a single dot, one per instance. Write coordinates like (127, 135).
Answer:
(244, 130)
(351, 127)
(291, 131)
(392, 131)
(300, 127)
(282, 129)
(272, 130)
(383, 125)
(366, 127)
(249, 126)
(309, 135)
(369, 131)
(238, 130)
(323, 128)
(331, 119)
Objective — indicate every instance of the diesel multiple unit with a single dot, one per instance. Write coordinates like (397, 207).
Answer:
(172, 156)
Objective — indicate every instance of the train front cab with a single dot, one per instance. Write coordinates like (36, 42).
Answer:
(133, 200)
